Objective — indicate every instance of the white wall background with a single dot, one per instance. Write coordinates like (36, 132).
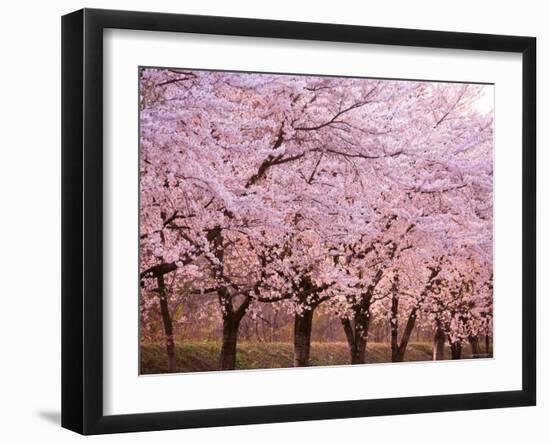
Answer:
(30, 219)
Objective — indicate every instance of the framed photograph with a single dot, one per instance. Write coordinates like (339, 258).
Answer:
(269, 221)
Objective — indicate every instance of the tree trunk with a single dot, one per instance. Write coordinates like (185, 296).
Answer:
(356, 335)
(302, 337)
(399, 354)
(358, 352)
(167, 323)
(439, 344)
(394, 323)
(228, 355)
(232, 317)
(456, 350)
(487, 345)
(474, 344)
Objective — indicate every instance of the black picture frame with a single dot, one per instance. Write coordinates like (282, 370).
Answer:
(82, 219)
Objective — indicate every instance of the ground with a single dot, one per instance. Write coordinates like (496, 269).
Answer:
(196, 356)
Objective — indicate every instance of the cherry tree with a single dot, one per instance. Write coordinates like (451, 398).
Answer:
(302, 190)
